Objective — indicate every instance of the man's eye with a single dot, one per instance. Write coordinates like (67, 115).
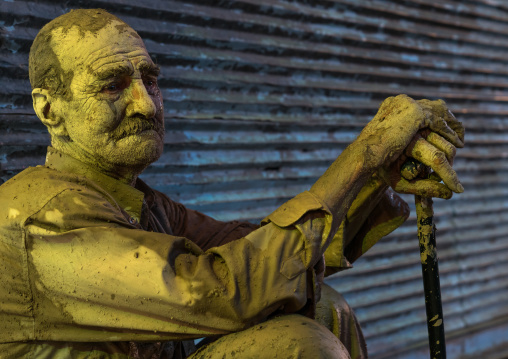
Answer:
(150, 85)
(112, 87)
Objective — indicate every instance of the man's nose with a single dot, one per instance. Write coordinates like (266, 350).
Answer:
(140, 102)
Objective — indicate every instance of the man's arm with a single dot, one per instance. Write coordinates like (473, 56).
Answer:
(375, 212)
(358, 181)
(95, 277)
(380, 150)
(203, 230)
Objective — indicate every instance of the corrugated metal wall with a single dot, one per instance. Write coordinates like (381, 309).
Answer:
(261, 95)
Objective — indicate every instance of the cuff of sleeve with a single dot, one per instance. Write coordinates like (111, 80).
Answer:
(294, 209)
(388, 215)
(334, 255)
(389, 212)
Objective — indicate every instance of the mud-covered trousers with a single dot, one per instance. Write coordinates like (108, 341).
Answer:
(334, 334)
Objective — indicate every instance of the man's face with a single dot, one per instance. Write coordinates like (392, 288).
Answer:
(115, 116)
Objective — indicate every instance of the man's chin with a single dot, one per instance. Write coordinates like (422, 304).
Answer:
(139, 150)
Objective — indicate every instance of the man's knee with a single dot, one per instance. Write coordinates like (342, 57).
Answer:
(335, 314)
(306, 338)
(290, 336)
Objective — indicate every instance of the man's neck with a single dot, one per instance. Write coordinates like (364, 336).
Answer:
(127, 175)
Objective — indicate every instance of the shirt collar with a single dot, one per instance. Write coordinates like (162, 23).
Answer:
(130, 199)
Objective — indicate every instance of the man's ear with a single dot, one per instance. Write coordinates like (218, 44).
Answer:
(43, 102)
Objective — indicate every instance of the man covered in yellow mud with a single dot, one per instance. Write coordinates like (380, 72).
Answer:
(96, 264)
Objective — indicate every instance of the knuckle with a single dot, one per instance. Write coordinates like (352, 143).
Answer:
(441, 102)
(439, 158)
(452, 150)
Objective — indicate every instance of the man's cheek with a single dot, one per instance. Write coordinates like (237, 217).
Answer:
(157, 100)
(104, 116)
(114, 116)
(159, 115)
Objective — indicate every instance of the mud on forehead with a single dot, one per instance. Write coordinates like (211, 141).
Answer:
(45, 68)
(91, 21)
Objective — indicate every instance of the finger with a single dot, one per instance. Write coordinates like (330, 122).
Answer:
(385, 108)
(436, 159)
(438, 109)
(424, 188)
(439, 125)
(458, 127)
(455, 125)
(443, 145)
(435, 177)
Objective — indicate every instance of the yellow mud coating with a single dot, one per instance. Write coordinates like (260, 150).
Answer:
(189, 290)
(430, 251)
(424, 212)
(411, 169)
(35, 230)
(13, 213)
(380, 144)
(380, 231)
(113, 116)
(438, 157)
(54, 216)
(109, 115)
(78, 201)
(437, 323)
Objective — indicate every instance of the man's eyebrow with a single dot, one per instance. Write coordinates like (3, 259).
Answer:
(113, 71)
(149, 69)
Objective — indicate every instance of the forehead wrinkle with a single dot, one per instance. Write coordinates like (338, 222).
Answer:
(116, 57)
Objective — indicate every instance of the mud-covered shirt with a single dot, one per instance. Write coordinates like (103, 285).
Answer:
(90, 265)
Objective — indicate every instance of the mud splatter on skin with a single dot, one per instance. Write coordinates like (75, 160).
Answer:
(44, 66)
(114, 118)
(46, 70)
(380, 150)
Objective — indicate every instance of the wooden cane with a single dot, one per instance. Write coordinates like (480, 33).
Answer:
(428, 256)
(430, 271)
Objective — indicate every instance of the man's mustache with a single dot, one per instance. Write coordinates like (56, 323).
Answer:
(136, 125)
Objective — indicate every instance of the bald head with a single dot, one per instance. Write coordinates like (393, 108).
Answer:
(45, 66)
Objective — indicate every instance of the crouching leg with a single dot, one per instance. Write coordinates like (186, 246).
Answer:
(334, 313)
(284, 337)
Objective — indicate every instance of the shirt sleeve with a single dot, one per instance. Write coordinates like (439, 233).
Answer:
(94, 277)
(203, 230)
(378, 215)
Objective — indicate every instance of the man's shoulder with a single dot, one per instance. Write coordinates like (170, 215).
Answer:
(40, 179)
(30, 189)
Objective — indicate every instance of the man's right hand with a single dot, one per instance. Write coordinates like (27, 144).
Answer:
(424, 130)
(402, 128)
